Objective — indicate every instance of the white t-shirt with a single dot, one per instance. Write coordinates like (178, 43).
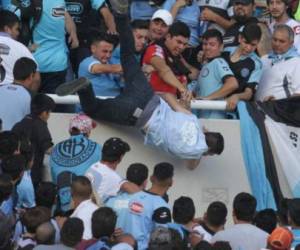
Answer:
(295, 25)
(279, 80)
(105, 181)
(11, 51)
(206, 235)
(15, 104)
(243, 236)
(84, 212)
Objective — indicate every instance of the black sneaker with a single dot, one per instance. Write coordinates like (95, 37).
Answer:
(71, 87)
(119, 6)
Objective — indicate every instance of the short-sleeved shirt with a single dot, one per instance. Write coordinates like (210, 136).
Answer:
(140, 9)
(18, 99)
(120, 205)
(11, 51)
(247, 70)
(105, 181)
(104, 84)
(177, 133)
(211, 78)
(280, 80)
(49, 35)
(145, 211)
(190, 16)
(156, 82)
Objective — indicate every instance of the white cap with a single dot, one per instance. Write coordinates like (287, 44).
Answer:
(164, 15)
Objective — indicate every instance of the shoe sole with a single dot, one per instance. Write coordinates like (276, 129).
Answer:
(69, 88)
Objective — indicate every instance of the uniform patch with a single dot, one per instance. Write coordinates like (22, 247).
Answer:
(74, 8)
(297, 30)
(58, 12)
(162, 215)
(204, 72)
(136, 207)
(245, 72)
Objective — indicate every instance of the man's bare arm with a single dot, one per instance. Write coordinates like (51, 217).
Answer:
(130, 187)
(108, 20)
(106, 68)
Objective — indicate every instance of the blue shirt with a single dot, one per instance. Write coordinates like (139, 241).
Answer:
(49, 35)
(25, 191)
(211, 79)
(104, 84)
(176, 133)
(140, 9)
(296, 233)
(120, 204)
(190, 16)
(145, 211)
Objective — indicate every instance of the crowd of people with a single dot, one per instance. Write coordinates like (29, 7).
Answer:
(173, 51)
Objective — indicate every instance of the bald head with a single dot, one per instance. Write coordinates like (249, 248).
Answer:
(45, 234)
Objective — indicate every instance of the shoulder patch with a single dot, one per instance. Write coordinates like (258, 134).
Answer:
(162, 215)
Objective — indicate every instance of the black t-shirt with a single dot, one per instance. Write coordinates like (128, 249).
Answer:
(231, 35)
(38, 133)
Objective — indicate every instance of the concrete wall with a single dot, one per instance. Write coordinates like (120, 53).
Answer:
(217, 177)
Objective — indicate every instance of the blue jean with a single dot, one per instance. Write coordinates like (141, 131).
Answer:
(137, 92)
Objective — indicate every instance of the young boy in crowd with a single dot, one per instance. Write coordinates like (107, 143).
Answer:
(34, 126)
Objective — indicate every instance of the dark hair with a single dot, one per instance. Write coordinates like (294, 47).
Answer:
(221, 245)
(216, 213)
(23, 68)
(215, 142)
(45, 194)
(45, 234)
(297, 247)
(183, 210)
(7, 18)
(71, 232)
(137, 173)
(6, 232)
(113, 149)
(286, 2)
(104, 220)
(97, 37)
(179, 29)
(6, 187)
(81, 187)
(282, 211)
(294, 210)
(33, 217)
(251, 32)
(213, 33)
(163, 171)
(14, 166)
(41, 103)
(9, 143)
(139, 24)
(266, 220)
(244, 205)
(203, 245)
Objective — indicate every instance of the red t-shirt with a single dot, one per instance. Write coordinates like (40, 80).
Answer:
(156, 82)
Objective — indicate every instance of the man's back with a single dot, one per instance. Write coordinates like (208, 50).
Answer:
(243, 237)
(11, 51)
(145, 210)
(15, 104)
(75, 154)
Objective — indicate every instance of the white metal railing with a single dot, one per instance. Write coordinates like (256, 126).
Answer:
(195, 104)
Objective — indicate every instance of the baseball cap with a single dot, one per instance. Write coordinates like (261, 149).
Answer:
(115, 147)
(164, 15)
(83, 123)
(244, 2)
(281, 238)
